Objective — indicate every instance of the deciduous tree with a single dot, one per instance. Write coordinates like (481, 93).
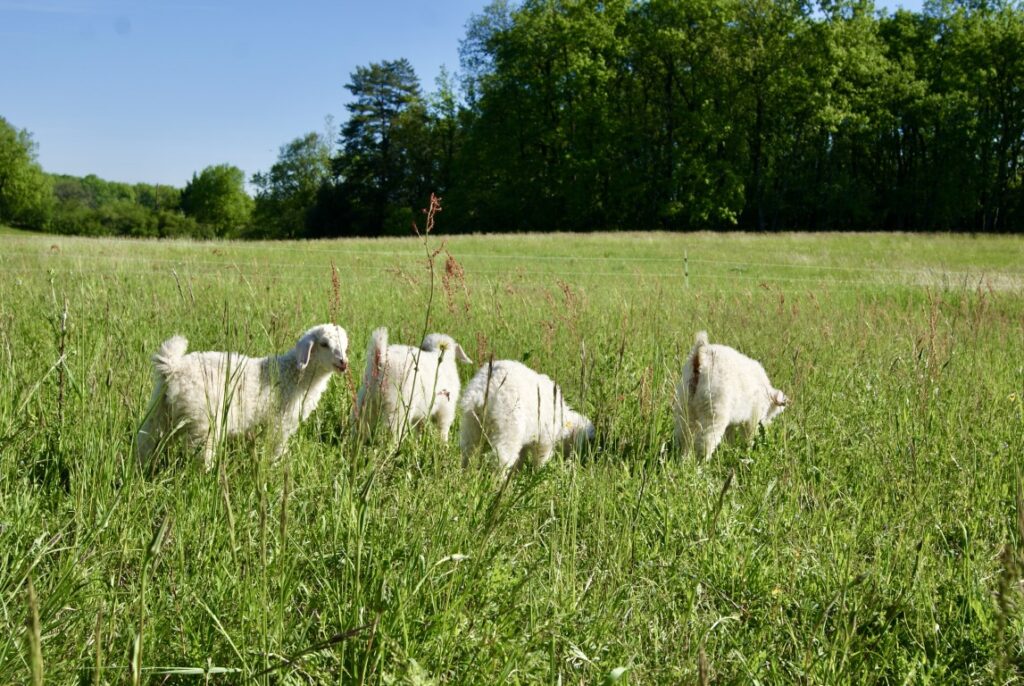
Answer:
(286, 193)
(25, 191)
(377, 144)
(216, 197)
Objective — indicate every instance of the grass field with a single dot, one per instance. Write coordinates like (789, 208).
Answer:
(873, 534)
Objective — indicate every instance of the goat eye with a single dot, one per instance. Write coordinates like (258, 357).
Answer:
(323, 344)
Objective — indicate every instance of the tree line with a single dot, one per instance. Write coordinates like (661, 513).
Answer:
(638, 114)
(213, 203)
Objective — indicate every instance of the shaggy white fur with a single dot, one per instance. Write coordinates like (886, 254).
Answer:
(406, 385)
(722, 388)
(518, 412)
(211, 394)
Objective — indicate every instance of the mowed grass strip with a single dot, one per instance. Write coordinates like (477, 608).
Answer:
(874, 534)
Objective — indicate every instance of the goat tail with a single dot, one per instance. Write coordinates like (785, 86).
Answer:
(699, 341)
(376, 357)
(168, 356)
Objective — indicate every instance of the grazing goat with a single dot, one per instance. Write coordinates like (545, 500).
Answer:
(212, 394)
(721, 388)
(405, 386)
(518, 412)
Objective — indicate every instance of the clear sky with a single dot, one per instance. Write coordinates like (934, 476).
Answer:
(153, 91)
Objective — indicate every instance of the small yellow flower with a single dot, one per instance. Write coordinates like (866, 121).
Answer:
(1011, 397)
(776, 591)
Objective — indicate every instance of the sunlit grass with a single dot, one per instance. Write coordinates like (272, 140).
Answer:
(871, 535)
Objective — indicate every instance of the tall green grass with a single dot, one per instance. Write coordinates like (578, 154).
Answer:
(874, 534)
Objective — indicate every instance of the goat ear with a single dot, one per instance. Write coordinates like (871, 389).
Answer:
(779, 398)
(303, 350)
(461, 355)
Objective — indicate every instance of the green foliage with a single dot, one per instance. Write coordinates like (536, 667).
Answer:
(873, 534)
(768, 115)
(91, 206)
(378, 141)
(25, 193)
(985, 47)
(216, 197)
(680, 135)
(158, 197)
(287, 193)
(692, 114)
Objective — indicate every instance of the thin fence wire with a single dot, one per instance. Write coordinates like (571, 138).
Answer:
(314, 248)
(263, 263)
(534, 278)
(516, 271)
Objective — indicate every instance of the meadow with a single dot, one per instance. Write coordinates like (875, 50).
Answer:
(873, 534)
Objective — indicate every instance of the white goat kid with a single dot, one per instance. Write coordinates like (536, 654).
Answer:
(212, 394)
(405, 386)
(722, 390)
(519, 412)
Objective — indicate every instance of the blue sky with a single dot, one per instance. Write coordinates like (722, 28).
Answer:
(153, 91)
